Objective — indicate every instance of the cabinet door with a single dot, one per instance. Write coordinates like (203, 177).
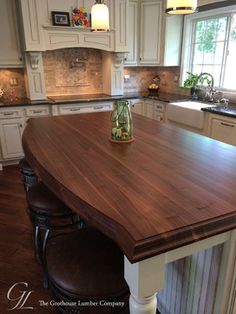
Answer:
(10, 49)
(10, 135)
(173, 39)
(224, 130)
(131, 58)
(149, 109)
(121, 25)
(137, 106)
(150, 34)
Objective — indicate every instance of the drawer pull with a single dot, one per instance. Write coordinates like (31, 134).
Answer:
(9, 113)
(74, 109)
(38, 111)
(226, 124)
(97, 107)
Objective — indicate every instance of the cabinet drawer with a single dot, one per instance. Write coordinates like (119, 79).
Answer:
(158, 116)
(10, 113)
(224, 130)
(159, 107)
(107, 107)
(72, 110)
(84, 109)
(35, 112)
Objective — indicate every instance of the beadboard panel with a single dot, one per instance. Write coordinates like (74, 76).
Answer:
(191, 283)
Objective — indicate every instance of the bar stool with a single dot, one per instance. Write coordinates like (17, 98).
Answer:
(86, 273)
(29, 177)
(48, 213)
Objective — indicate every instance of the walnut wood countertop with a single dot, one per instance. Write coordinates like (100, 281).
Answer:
(168, 188)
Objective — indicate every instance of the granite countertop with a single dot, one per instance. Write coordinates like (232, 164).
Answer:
(230, 111)
(65, 99)
(51, 100)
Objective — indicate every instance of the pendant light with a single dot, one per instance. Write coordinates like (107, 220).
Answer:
(181, 6)
(100, 17)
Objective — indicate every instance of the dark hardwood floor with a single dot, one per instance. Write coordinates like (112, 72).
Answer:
(17, 262)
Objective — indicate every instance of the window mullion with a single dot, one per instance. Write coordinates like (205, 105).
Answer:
(226, 50)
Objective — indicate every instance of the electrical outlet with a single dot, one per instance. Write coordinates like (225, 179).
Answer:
(176, 78)
(13, 81)
(126, 77)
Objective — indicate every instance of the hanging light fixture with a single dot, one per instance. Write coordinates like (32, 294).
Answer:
(181, 6)
(100, 17)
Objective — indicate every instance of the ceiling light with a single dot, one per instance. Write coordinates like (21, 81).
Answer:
(100, 17)
(181, 6)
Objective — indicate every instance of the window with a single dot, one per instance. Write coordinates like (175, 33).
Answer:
(210, 46)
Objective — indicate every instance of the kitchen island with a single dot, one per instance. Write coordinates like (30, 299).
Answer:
(168, 194)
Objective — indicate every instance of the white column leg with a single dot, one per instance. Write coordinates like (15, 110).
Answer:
(145, 278)
(146, 305)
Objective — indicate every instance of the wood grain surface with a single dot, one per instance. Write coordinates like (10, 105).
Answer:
(168, 188)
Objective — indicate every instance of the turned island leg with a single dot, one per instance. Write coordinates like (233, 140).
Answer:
(145, 278)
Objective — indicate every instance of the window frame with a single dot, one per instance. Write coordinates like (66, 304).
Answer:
(189, 35)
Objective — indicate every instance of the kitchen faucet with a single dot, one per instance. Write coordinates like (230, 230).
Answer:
(210, 89)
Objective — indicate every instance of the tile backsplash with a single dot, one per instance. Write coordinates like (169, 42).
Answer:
(141, 77)
(73, 71)
(13, 84)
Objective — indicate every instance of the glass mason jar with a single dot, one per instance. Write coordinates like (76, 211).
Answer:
(122, 125)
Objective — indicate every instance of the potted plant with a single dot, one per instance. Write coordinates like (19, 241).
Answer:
(192, 82)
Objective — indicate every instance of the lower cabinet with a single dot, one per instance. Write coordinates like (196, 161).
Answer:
(149, 108)
(137, 106)
(12, 123)
(10, 135)
(223, 129)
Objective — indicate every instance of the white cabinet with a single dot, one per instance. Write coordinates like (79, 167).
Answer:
(149, 108)
(154, 38)
(12, 123)
(223, 129)
(78, 108)
(150, 32)
(10, 134)
(131, 58)
(121, 25)
(137, 106)
(173, 40)
(145, 27)
(11, 129)
(155, 109)
(10, 52)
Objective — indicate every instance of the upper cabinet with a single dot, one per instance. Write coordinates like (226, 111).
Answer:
(173, 40)
(154, 37)
(151, 13)
(10, 52)
(41, 35)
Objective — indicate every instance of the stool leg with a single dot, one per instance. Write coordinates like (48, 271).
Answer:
(45, 280)
(38, 245)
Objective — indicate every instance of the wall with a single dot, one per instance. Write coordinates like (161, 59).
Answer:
(141, 77)
(73, 71)
(13, 83)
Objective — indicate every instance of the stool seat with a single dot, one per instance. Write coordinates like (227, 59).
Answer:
(42, 201)
(85, 265)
